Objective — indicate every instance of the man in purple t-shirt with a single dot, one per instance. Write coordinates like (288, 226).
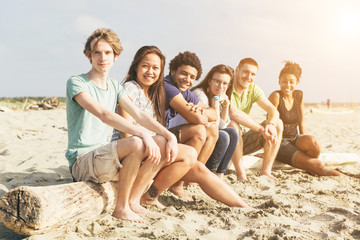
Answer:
(192, 122)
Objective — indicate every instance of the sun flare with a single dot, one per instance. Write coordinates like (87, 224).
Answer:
(348, 22)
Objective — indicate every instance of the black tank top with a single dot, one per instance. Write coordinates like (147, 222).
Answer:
(290, 118)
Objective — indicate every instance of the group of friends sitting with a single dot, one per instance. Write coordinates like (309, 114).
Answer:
(168, 133)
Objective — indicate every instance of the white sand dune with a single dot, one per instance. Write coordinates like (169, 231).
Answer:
(295, 206)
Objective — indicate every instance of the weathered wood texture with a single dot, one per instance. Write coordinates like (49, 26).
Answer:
(36, 210)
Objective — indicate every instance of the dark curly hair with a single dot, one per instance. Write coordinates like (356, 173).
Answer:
(186, 58)
(291, 68)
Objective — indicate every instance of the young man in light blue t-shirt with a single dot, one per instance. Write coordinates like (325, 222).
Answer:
(91, 99)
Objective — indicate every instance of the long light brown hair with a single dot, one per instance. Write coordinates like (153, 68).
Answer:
(221, 68)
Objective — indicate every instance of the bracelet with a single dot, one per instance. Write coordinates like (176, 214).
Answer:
(216, 98)
(225, 105)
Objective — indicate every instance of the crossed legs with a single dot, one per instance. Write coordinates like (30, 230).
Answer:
(308, 160)
(197, 172)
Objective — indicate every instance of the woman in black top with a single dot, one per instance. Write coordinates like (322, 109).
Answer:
(297, 149)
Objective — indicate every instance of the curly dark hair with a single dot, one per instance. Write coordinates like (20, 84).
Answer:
(291, 68)
(186, 58)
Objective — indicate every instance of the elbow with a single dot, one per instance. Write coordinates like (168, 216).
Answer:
(105, 117)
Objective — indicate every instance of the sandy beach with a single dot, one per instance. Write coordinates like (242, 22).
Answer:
(295, 206)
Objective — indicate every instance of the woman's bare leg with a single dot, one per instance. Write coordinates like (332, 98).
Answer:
(171, 174)
(213, 186)
(146, 173)
(313, 165)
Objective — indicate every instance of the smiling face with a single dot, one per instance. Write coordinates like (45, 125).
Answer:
(184, 77)
(102, 56)
(288, 83)
(148, 70)
(219, 83)
(245, 75)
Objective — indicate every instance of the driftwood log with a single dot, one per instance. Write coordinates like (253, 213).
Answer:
(36, 210)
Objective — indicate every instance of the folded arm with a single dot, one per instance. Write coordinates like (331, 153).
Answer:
(188, 111)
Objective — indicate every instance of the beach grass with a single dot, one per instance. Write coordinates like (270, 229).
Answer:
(19, 103)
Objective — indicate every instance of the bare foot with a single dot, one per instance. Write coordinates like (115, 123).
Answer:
(326, 171)
(137, 208)
(267, 174)
(179, 191)
(241, 176)
(147, 200)
(127, 215)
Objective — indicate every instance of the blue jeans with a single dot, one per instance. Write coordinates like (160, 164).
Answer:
(223, 151)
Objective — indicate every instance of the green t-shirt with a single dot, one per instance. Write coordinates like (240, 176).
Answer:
(250, 96)
(85, 131)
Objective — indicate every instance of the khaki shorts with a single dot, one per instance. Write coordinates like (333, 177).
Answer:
(99, 165)
(253, 141)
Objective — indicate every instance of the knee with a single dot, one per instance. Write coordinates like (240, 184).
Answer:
(315, 146)
(200, 169)
(189, 156)
(233, 134)
(213, 131)
(199, 132)
(224, 137)
(137, 144)
(279, 127)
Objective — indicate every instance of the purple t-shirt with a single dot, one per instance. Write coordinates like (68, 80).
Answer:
(171, 91)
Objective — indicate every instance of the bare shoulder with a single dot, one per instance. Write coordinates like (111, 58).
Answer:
(274, 98)
(274, 95)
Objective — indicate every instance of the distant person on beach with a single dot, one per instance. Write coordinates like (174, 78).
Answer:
(297, 148)
(192, 122)
(212, 92)
(244, 94)
(91, 99)
(144, 85)
(328, 103)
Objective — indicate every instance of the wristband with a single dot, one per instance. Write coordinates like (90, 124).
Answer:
(216, 98)
(225, 105)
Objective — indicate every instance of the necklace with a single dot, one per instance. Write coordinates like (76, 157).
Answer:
(288, 103)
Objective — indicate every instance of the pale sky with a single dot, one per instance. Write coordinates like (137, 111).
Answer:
(42, 41)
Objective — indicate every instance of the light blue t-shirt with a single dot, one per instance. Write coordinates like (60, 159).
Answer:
(85, 131)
